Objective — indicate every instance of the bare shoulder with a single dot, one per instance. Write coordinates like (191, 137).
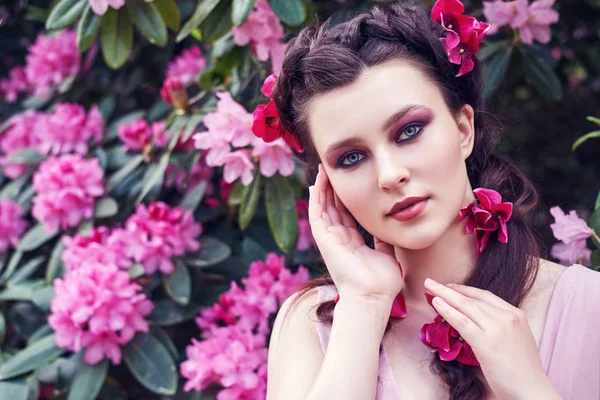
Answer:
(295, 354)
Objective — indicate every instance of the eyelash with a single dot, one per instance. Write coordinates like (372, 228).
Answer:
(419, 125)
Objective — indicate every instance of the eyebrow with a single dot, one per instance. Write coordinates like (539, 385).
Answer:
(387, 125)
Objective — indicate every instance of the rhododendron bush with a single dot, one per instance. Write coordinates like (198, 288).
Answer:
(148, 236)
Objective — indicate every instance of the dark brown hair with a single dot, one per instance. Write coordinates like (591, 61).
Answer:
(326, 57)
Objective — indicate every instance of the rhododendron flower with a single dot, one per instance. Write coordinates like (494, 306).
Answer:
(500, 13)
(12, 225)
(98, 308)
(238, 165)
(264, 32)
(188, 66)
(537, 26)
(160, 232)
(100, 6)
(51, 60)
(136, 134)
(267, 126)
(99, 246)
(569, 228)
(69, 129)
(19, 136)
(574, 252)
(233, 358)
(173, 93)
(67, 187)
(274, 157)
(486, 215)
(13, 85)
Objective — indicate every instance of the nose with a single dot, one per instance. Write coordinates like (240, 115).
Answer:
(391, 171)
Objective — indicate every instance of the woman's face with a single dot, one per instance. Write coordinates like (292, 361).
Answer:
(390, 136)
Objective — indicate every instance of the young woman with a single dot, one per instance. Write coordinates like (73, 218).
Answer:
(407, 188)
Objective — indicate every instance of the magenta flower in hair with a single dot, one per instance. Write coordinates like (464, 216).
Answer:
(463, 33)
(485, 215)
(446, 341)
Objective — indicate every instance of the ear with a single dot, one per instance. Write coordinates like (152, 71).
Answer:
(466, 127)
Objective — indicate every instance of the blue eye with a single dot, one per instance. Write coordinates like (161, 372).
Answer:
(349, 159)
(411, 132)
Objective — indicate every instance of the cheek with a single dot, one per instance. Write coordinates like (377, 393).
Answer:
(354, 190)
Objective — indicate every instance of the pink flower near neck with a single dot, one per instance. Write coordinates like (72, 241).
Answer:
(569, 227)
(486, 215)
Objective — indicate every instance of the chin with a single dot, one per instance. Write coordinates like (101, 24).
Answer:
(418, 237)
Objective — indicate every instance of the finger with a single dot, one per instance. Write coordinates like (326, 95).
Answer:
(468, 329)
(471, 308)
(483, 295)
(316, 212)
(346, 217)
(330, 207)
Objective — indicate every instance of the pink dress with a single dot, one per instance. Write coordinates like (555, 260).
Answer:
(569, 347)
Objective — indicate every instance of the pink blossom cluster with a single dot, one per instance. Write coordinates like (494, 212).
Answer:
(138, 135)
(50, 61)
(533, 20)
(67, 128)
(100, 6)
(232, 352)
(20, 135)
(573, 233)
(231, 125)
(101, 246)
(264, 32)
(234, 358)
(187, 66)
(98, 308)
(66, 188)
(12, 225)
(159, 232)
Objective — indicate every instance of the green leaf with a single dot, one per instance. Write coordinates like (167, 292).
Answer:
(87, 29)
(593, 119)
(121, 174)
(147, 19)
(12, 188)
(42, 297)
(168, 313)
(35, 237)
(595, 259)
(250, 198)
(56, 267)
(292, 12)
(218, 23)
(281, 212)
(169, 12)
(240, 11)
(164, 337)
(235, 196)
(88, 381)
(194, 196)
(15, 389)
(2, 328)
(591, 135)
(105, 207)
(28, 156)
(65, 13)
(495, 70)
(150, 362)
(178, 284)
(204, 8)
(12, 265)
(33, 356)
(212, 251)
(156, 173)
(252, 251)
(597, 206)
(541, 75)
(490, 49)
(25, 271)
(40, 333)
(116, 38)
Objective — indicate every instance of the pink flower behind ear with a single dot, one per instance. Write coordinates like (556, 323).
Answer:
(569, 228)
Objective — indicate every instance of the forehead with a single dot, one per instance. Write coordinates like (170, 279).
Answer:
(364, 105)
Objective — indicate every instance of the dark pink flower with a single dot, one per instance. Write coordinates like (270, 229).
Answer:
(173, 93)
(485, 215)
(12, 225)
(267, 125)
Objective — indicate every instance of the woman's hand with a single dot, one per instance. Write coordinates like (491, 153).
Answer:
(500, 338)
(356, 269)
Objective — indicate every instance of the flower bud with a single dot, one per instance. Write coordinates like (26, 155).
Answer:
(174, 94)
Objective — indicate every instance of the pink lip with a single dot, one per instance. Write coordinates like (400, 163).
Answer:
(411, 211)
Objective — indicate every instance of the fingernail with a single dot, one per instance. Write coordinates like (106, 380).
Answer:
(431, 282)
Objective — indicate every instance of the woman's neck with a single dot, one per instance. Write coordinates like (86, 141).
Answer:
(450, 259)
